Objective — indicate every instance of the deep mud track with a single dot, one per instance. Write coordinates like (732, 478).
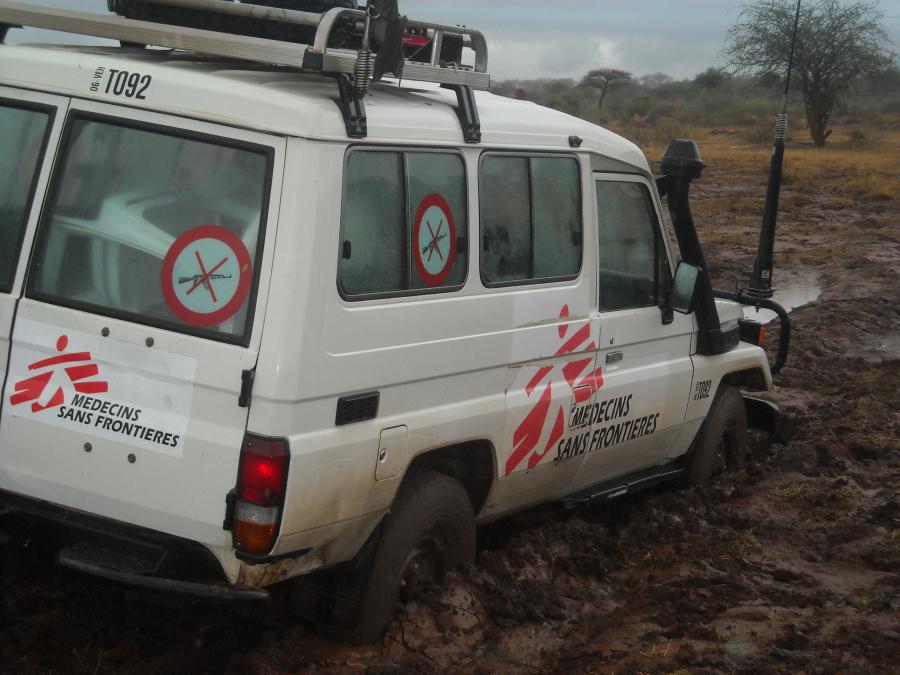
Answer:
(791, 566)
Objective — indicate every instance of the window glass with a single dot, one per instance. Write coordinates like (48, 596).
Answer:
(530, 218)
(629, 245)
(557, 217)
(22, 135)
(374, 225)
(506, 219)
(153, 226)
(433, 175)
(404, 223)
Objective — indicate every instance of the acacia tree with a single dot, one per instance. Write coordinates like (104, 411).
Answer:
(837, 43)
(604, 79)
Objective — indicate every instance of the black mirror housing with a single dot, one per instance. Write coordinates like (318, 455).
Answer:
(684, 290)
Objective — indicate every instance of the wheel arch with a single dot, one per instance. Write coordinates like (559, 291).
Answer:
(753, 378)
(472, 463)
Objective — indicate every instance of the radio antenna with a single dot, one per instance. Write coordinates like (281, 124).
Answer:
(761, 278)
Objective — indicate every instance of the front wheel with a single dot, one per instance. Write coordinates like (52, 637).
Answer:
(722, 445)
(430, 530)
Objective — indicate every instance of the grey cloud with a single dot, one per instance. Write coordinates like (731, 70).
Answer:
(565, 38)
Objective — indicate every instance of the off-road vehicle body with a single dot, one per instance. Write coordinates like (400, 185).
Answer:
(240, 346)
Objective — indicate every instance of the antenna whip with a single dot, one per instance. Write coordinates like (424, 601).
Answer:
(761, 278)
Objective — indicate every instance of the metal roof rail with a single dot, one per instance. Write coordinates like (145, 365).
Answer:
(261, 50)
(318, 57)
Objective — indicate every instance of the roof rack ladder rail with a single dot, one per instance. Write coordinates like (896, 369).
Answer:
(437, 45)
(477, 42)
(313, 59)
(467, 112)
(144, 32)
(327, 22)
(352, 107)
(476, 38)
(249, 11)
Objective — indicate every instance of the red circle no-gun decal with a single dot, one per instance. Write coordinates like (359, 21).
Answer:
(434, 240)
(206, 276)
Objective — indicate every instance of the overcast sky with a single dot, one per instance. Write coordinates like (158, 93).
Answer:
(566, 38)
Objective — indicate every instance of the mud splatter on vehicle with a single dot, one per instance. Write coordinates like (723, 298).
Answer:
(792, 565)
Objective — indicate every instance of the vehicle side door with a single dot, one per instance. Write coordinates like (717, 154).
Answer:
(638, 416)
(30, 125)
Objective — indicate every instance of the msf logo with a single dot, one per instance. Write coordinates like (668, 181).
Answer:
(583, 382)
(45, 389)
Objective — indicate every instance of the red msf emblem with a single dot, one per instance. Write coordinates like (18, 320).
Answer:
(33, 388)
(528, 434)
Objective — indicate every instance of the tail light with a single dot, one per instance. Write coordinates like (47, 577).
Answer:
(259, 499)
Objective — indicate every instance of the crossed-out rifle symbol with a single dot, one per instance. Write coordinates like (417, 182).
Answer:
(205, 278)
(434, 245)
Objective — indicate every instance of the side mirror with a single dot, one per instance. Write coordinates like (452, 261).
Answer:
(681, 297)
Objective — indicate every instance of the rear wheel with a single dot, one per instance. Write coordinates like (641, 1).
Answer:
(722, 446)
(431, 530)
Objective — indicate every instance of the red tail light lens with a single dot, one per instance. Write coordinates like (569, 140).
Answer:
(263, 471)
(260, 493)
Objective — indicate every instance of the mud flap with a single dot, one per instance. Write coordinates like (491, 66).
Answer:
(762, 415)
(330, 598)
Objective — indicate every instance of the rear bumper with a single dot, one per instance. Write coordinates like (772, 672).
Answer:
(121, 553)
(80, 561)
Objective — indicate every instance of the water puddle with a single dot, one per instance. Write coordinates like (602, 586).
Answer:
(794, 291)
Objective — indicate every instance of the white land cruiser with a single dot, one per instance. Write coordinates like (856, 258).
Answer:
(257, 321)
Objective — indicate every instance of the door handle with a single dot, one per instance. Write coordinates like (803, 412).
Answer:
(614, 357)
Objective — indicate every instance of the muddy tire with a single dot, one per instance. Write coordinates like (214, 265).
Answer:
(722, 445)
(430, 530)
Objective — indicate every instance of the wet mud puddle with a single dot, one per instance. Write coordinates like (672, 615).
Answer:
(793, 292)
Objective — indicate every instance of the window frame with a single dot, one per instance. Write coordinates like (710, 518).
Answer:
(530, 156)
(50, 203)
(662, 250)
(35, 179)
(408, 262)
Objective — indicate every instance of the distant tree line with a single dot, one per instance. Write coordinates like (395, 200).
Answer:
(842, 62)
(642, 105)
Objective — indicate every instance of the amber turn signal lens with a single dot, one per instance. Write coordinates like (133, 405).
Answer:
(752, 332)
(254, 538)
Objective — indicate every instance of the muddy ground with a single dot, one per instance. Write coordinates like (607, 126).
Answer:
(790, 566)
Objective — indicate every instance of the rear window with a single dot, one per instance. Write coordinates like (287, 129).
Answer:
(23, 135)
(155, 226)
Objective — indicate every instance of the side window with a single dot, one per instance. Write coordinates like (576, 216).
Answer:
(404, 223)
(23, 134)
(530, 219)
(155, 226)
(631, 256)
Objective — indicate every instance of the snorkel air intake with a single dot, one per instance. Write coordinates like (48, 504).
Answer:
(680, 166)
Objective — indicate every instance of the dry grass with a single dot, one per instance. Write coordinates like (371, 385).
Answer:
(852, 169)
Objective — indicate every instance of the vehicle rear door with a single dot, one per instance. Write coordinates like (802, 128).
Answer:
(637, 419)
(142, 312)
(30, 125)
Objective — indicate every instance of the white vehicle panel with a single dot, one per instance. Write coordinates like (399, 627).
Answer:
(175, 384)
(57, 106)
(564, 394)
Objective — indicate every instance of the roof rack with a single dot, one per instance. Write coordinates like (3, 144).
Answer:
(352, 69)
